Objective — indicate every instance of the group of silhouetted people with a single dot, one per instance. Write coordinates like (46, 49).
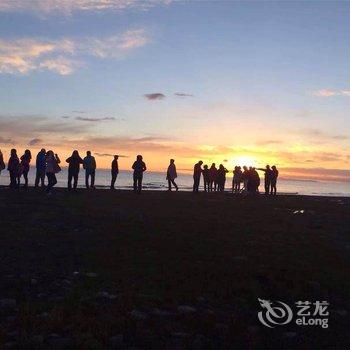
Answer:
(47, 165)
(246, 180)
(243, 181)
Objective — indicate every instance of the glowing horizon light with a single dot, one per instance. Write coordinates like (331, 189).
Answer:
(245, 160)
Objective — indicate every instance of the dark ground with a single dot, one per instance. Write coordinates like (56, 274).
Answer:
(101, 269)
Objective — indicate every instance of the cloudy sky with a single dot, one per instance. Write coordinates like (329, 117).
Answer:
(226, 82)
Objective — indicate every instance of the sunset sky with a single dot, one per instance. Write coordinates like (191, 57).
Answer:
(225, 82)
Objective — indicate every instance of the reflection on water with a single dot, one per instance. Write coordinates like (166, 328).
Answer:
(157, 181)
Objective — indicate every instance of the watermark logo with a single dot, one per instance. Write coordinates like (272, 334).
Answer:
(273, 314)
(307, 313)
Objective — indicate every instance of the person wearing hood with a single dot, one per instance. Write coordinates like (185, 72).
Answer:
(74, 162)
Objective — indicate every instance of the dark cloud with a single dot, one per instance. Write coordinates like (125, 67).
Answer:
(86, 119)
(183, 94)
(320, 134)
(110, 155)
(65, 117)
(154, 96)
(6, 141)
(27, 125)
(35, 142)
(80, 112)
(151, 139)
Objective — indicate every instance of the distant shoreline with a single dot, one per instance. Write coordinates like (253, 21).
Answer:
(101, 189)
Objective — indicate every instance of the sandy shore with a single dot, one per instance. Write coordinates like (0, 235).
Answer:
(100, 269)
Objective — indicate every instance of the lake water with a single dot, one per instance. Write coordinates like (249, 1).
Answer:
(156, 181)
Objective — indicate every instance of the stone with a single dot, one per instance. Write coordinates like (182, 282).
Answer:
(186, 309)
(91, 274)
(138, 315)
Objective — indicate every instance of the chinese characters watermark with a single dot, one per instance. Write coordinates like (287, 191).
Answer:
(306, 313)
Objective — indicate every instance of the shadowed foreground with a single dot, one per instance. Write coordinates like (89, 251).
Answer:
(105, 269)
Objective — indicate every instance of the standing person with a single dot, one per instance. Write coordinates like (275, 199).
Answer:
(13, 168)
(206, 178)
(274, 176)
(221, 177)
(212, 177)
(24, 167)
(2, 164)
(114, 171)
(89, 164)
(171, 175)
(74, 162)
(139, 167)
(197, 172)
(245, 178)
(40, 168)
(254, 181)
(237, 179)
(52, 168)
(267, 180)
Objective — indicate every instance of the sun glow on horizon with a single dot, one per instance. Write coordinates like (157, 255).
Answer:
(245, 160)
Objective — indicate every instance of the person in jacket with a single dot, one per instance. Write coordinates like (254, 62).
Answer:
(40, 168)
(206, 178)
(197, 172)
(114, 171)
(267, 179)
(13, 168)
(274, 176)
(89, 164)
(52, 168)
(74, 162)
(237, 179)
(24, 167)
(139, 168)
(212, 177)
(221, 177)
(171, 175)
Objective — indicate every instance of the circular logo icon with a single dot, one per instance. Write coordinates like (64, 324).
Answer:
(274, 313)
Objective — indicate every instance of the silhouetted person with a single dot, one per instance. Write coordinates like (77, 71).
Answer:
(13, 168)
(245, 178)
(206, 178)
(221, 177)
(74, 162)
(253, 181)
(139, 167)
(2, 163)
(52, 168)
(171, 175)
(197, 172)
(89, 164)
(274, 176)
(267, 179)
(24, 166)
(114, 171)
(40, 168)
(212, 177)
(237, 179)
